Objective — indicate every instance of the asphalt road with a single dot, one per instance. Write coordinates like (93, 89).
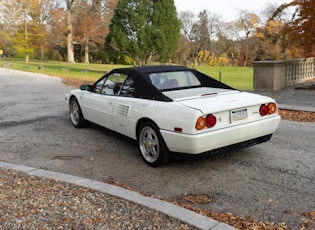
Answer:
(272, 182)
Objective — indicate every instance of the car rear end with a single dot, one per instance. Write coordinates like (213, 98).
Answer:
(227, 118)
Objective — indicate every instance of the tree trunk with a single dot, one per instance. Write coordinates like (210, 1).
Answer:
(86, 53)
(42, 52)
(245, 59)
(70, 49)
(26, 40)
(195, 61)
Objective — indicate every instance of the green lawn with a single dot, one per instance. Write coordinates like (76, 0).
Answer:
(237, 77)
(76, 74)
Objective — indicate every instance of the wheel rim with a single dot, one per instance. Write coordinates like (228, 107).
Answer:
(74, 113)
(149, 144)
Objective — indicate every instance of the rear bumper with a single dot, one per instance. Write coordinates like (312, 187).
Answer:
(199, 143)
(226, 149)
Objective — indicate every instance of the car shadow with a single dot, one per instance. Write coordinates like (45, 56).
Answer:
(195, 161)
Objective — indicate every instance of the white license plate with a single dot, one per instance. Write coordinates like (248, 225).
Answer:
(238, 115)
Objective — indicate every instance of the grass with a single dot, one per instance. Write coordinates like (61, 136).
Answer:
(237, 77)
(79, 73)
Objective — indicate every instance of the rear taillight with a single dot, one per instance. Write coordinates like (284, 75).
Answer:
(201, 123)
(263, 110)
(208, 121)
(270, 108)
(211, 120)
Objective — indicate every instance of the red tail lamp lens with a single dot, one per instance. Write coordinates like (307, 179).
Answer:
(272, 108)
(211, 121)
(264, 110)
(201, 123)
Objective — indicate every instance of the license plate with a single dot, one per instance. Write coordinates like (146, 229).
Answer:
(238, 115)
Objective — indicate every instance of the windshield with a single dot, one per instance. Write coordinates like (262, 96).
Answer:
(173, 80)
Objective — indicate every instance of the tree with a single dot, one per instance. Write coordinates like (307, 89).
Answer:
(136, 29)
(272, 45)
(183, 51)
(247, 24)
(89, 13)
(212, 60)
(301, 28)
(39, 16)
(226, 47)
(199, 32)
(57, 32)
(196, 33)
(110, 7)
(166, 29)
(209, 27)
(213, 23)
(16, 30)
(188, 38)
(130, 30)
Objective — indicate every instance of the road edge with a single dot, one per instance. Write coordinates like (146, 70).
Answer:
(172, 210)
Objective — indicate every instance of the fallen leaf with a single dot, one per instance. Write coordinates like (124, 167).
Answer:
(197, 199)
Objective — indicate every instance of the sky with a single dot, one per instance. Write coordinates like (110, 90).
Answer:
(228, 9)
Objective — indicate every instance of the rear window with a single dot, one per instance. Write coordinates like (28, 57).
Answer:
(174, 80)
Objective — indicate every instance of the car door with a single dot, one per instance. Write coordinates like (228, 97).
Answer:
(98, 105)
(126, 111)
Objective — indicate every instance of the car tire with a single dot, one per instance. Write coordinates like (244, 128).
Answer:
(152, 146)
(76, 115)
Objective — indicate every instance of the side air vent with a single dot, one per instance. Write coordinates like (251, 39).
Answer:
(121, 110)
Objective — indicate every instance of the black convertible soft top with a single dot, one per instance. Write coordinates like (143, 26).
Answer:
(146, 90)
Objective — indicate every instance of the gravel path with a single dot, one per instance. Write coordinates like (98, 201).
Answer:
(29, 202)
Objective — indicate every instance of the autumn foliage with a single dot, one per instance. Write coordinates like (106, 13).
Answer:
(300, 30)
(51, 29)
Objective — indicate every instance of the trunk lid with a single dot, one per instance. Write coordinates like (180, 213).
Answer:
(212, 100)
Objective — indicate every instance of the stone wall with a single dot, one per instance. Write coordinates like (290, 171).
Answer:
(275, 75)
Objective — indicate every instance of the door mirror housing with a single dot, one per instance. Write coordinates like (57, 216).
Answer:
(86, 87)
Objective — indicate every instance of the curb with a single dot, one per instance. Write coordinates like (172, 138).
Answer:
(167, 208)
(297, 108)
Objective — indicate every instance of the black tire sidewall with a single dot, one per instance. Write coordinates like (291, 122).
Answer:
(82, 121)
(163, 157)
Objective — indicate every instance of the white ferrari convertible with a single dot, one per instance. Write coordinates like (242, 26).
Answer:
(174, 112)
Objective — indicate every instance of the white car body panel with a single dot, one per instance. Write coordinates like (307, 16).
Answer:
(126, 112)
(121, 114)
(176, 118)
(97, 108)
(206, 141)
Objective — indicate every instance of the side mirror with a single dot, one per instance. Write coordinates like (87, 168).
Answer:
(85, 87)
